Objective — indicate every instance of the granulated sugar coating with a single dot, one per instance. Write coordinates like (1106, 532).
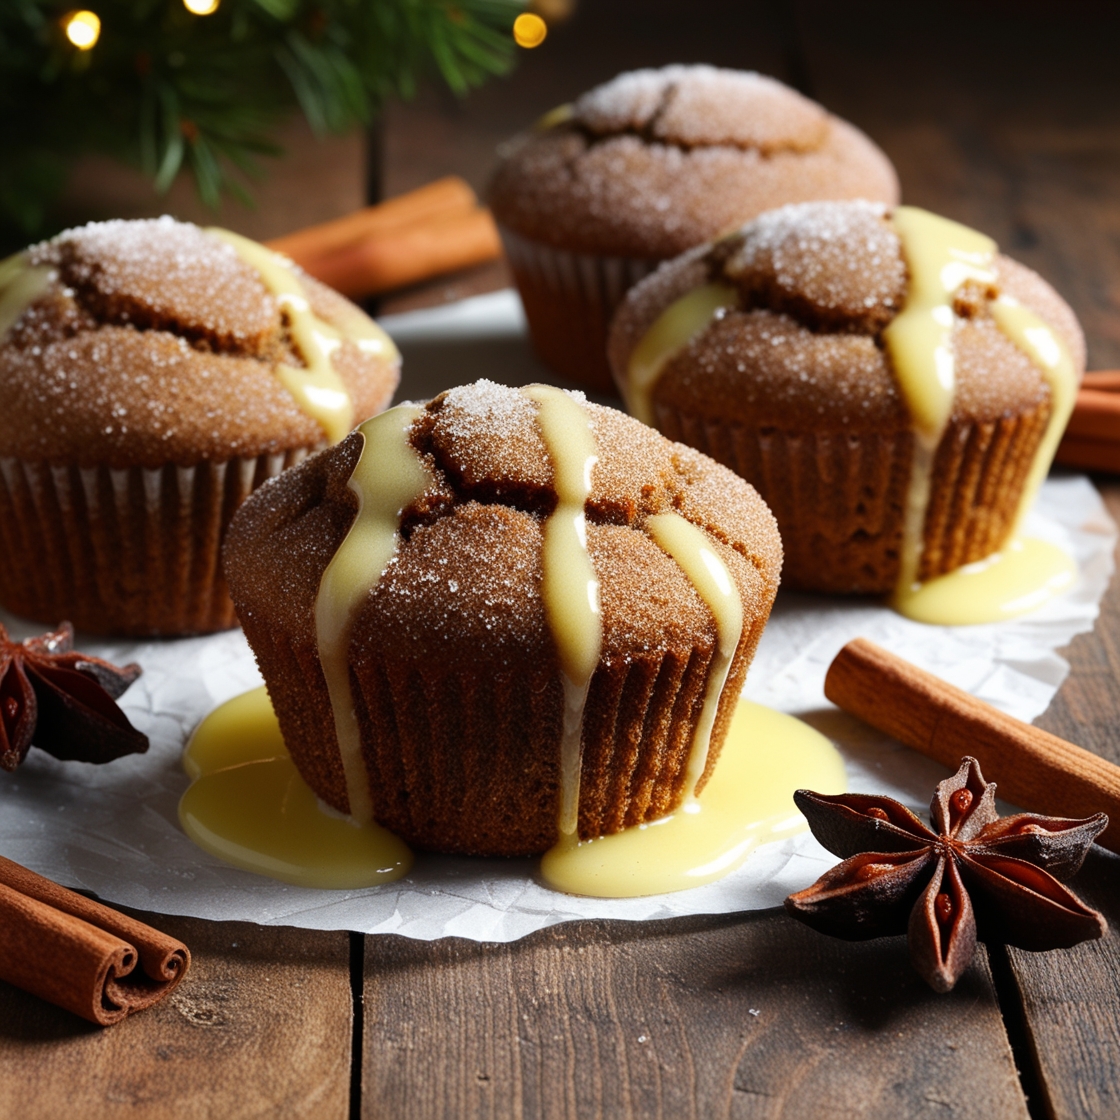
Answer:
(154, 343)
(794, 390)
(657, 161)
(693, 105)
(452, 659)
(835, 266)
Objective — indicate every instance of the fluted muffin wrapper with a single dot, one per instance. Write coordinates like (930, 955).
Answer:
(838, 498)
(131, 551)
(569, 300)
(462, 759)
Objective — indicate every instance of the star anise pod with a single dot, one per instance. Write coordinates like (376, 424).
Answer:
(62, 701)
(977, 875)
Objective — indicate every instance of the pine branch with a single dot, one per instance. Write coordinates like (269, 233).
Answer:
(167, 91)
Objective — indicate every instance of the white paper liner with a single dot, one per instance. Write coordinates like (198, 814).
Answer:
(114, 829)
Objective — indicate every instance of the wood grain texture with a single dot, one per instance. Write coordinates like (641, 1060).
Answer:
(739, 1016)
(1071, 1000)
(1004, 117)
(261, 1026)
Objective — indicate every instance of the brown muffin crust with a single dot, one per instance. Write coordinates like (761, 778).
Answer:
(453, 667)
(154, 343)
(796, 388)
(657, 161)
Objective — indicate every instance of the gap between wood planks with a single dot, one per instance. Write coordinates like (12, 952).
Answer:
(1014, 1016)
(357, 1037)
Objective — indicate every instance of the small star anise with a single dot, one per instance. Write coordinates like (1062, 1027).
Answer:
(977, 876)
(62, 701)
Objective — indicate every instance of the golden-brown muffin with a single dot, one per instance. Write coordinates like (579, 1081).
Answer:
(138, 370)
(646, 166)
(454, 669)
(793, 388)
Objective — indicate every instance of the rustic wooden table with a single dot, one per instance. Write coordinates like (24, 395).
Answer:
(1007, 118)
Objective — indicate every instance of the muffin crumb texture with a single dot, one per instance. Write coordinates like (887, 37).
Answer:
(453, 664)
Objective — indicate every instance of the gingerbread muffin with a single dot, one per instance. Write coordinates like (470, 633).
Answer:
(776, 350)
(479, 722)
(152, 375)
(639, 170)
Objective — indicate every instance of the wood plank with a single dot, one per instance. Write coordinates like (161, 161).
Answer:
(1009, 124)
(1071, 1000)
(261, 1026)
(742, 1016)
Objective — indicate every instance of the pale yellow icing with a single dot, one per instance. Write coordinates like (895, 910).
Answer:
(20, 285)
(571, 588)
(747, 801)
(318, 389)
(554, 117)
(1019, 578)
(941, 255)
(706, 571)
(389, 476)
(248, 806)
(670, 333)
(1044, 346)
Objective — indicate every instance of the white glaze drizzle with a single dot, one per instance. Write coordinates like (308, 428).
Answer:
(669, 334)
(690, 547)
(571, 588)
(21, 284)
(388, 476)
(941, 255)
(318, 389)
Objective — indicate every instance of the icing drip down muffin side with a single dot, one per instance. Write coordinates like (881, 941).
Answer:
(777, 350)
(463, 689)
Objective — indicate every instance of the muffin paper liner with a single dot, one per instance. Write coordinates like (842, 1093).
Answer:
(131, 551)
(447, 740)
(838, 499)
(569, 299)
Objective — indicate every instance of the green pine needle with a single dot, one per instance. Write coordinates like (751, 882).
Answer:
(169, 92)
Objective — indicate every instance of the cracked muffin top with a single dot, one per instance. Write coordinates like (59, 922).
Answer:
(139, 343)
(468, 570)
(657, 161)
(816, 284)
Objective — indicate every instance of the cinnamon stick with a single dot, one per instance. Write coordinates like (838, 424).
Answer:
(409, 255)
(1089, 454)
(442, 198)
(1092, 437)
(76, 953)
(1034, 769)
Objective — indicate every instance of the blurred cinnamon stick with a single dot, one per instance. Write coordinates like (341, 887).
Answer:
(1034, 769)
(1092, 438)
(409, 255)
(81, 955)
(442, 198)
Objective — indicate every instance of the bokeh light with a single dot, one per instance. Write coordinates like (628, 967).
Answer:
(83, 29)
(201, 7)
(529, 30)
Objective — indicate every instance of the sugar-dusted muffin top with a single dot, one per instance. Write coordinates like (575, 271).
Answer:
(818, 282)
(469, 565)
(153, 342)
(657, 161)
